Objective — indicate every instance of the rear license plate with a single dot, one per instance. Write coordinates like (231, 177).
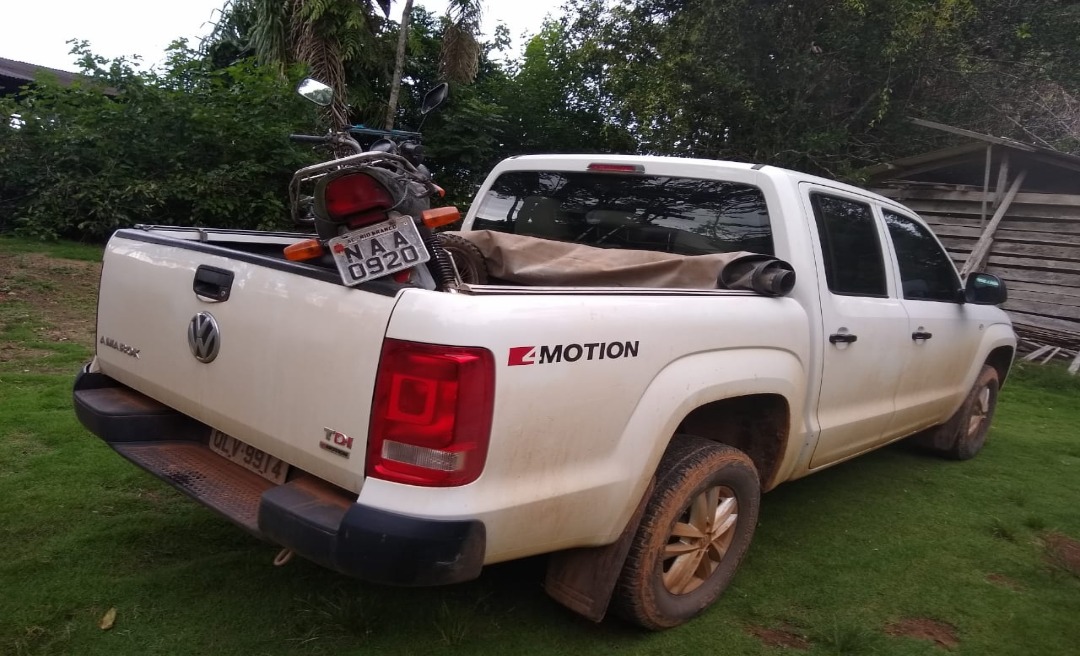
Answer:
(378, 250)
(249, 457)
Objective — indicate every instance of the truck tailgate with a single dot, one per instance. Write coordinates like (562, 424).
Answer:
(296, 358)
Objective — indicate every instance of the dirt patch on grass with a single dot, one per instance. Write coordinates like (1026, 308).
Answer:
(1004, 581)
(61, 295)
(785, 637)
(1063, 552)
(923, 628)
(14, 352)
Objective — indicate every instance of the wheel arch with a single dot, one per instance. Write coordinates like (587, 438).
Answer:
(759, 425)
(693, 395)
(1001, 359)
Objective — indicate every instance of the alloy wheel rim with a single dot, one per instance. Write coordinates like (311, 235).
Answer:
(699, 540)
(979, 412)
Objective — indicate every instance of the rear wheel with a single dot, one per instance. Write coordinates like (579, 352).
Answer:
(696, 528)
(468, 259)
(964, 435)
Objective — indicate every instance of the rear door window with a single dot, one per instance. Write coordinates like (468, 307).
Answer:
(850, 246)
(686, 216)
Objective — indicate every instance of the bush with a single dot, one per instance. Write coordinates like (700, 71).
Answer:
(191, 145)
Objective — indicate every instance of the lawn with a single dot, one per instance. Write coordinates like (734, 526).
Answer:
(893, 553)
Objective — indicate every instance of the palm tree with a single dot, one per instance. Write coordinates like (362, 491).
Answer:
(323, 34)
(460, 58)
(460, 55)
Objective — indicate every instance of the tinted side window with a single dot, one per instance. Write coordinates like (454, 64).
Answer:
(687, 216)
(925, 269)
(850, 246)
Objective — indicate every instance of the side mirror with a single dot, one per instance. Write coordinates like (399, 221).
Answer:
(435, 97)
(985, 289)
(315, 91)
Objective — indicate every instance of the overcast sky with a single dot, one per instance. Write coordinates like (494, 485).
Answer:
(35, 31)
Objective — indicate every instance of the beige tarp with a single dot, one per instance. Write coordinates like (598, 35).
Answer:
(534, 261)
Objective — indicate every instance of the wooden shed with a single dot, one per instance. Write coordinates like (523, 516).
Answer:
(1009, 208)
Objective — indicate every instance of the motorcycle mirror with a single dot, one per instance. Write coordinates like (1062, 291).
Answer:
(315, 91)
(384, 146)
(435, 97)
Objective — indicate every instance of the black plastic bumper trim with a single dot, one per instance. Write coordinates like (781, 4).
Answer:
(313, 518)
(117, 413)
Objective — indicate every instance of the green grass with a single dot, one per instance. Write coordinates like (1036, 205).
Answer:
(838, 556)
(67, 250)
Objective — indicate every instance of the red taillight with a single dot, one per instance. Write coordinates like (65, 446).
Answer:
(431, 417)
(616, 168)
(355, 196)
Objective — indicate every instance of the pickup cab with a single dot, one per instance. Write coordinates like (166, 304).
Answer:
(407, 436)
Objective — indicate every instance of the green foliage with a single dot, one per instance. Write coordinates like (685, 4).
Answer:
(826, 85)
(188, 146)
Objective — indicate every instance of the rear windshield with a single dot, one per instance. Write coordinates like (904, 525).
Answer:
(642, 212)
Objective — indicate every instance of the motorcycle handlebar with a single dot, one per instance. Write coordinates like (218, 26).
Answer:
(391, 134)
(308, 138)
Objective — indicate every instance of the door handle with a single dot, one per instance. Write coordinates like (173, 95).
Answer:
(842, 338)
(920, 334)
(212, 283)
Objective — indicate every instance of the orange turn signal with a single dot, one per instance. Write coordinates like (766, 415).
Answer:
(304, 250)
(440, 216)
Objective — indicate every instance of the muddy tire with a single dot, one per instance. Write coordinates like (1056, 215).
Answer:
(467, 258)
(964, 434)
(696, 528)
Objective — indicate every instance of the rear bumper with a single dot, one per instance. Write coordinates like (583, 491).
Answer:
(306, 514)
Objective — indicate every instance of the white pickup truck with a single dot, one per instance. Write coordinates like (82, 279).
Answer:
(410, 437)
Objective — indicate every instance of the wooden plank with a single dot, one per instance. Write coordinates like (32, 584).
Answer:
(1027, 198)
(1002, 179)
(1044, 278)
(1037, 353)
(954, 210)
(1048, 294)
(1075, 366)
(957, 245)
(1062, 291)
(955, 231)
(986, 183)
(1043, 309)
(986, 138)
(982, 248)
(1042, 251)
(1057, 349)
(1011, 222)
(1033, 264)
(1028, 237)
(903, 166)
(1072, 328)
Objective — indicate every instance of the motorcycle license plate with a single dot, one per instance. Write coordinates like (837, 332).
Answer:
(378, 250)
(248, 457)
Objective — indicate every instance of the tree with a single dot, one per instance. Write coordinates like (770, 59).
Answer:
(460, 49)
(399, 65)
(326, 35)
(459, 58)
(191, 144)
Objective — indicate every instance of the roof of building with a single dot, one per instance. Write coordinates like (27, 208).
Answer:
(24, 72)
(1051, 171)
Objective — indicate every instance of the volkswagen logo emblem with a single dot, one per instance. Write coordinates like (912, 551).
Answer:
(204, 337)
